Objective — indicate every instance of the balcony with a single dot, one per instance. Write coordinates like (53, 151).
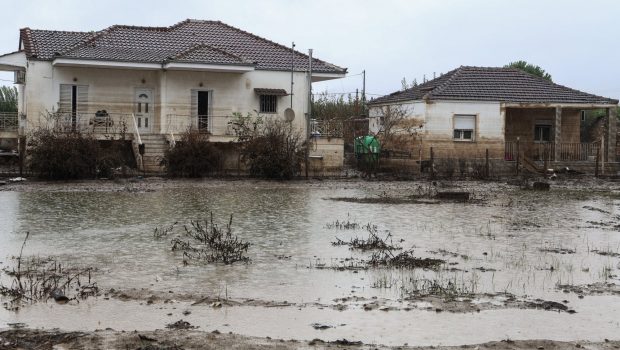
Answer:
(8, 121)
(216, 125)
(99, 123)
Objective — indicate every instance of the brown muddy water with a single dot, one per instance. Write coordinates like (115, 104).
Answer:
(507, 251)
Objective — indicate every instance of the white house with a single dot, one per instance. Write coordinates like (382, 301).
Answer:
(157, 81)
(471, 109)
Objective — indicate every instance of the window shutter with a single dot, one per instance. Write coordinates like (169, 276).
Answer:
(194, 103)
(64, 103)
(464, 122)
(82, 99)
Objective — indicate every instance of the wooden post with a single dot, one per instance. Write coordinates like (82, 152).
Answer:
(518, 156)
(432, 165)
(558, 133)
(612, 121)
(22, 154)
(486, 168)
(598, 154)
(602, 155)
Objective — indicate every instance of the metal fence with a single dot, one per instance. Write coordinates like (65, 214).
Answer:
(547, 151)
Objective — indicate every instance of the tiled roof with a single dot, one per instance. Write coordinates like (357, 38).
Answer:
(493, 84)
(193, 41)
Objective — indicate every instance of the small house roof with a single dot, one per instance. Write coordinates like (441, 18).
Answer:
(499, 84)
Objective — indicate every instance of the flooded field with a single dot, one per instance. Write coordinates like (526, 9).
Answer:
(507, 264)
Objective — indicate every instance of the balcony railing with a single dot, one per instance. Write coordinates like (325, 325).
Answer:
(106, 123)
(546, 151)
(8, 121)
(326, 128)
(217, 125)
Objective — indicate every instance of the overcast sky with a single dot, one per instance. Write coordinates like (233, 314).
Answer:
(577, 42)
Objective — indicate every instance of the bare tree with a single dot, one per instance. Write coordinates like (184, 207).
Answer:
(398, 129)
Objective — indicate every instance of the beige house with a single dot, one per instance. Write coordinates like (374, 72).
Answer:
(156, 82)
(471, 109)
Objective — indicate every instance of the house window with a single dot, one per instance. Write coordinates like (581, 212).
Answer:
(268, 103)
(464, 127)
(542, 133)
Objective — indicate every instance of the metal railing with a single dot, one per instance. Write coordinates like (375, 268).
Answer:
(8, 121)
(326, 128)
(541, 151)
(217, 125)
(109, 123)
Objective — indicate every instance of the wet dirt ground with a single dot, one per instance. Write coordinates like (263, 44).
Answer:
(519, 264)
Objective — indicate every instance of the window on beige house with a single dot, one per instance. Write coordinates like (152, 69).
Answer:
(268, 104)
(464, 127)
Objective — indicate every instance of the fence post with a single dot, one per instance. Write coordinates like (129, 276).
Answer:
(486, 167)
(432, 165)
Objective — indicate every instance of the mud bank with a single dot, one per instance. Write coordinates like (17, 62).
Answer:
(183, 339)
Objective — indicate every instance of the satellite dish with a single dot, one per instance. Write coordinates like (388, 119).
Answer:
(289, 114)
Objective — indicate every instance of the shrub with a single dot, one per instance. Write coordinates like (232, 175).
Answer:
(193, 156)
(56, 155)
(276, 153)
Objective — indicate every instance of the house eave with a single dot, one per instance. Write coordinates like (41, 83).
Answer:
(224, 68)
(584, 105)
(71, 62)
(13, 61)
(318, 76)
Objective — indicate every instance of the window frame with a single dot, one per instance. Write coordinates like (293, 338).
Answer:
(461, 132)
(540, 126)
(273, 104)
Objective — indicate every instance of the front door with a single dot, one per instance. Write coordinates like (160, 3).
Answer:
(144, 110)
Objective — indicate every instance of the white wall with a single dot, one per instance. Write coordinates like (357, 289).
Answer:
(113, 90)
(415, 109)
(439, 119)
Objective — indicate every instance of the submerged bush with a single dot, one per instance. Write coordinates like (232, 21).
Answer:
(59, 155)
(193, 156)
(271, 149)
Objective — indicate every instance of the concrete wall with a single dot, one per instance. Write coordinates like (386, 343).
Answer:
(113, 90)
(326, 156)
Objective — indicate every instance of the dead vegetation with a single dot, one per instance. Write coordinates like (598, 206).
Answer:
(372, 242)
(204, 241)
(405, 259)
(39, 279)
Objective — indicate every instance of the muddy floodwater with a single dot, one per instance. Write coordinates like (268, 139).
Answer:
(517, 264)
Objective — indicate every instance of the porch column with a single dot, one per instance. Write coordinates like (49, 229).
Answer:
(557, 132)
(163, 99)
(610, 138)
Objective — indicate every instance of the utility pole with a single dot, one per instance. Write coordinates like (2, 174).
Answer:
(292, 70)
(364, 92)
(309, 115)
